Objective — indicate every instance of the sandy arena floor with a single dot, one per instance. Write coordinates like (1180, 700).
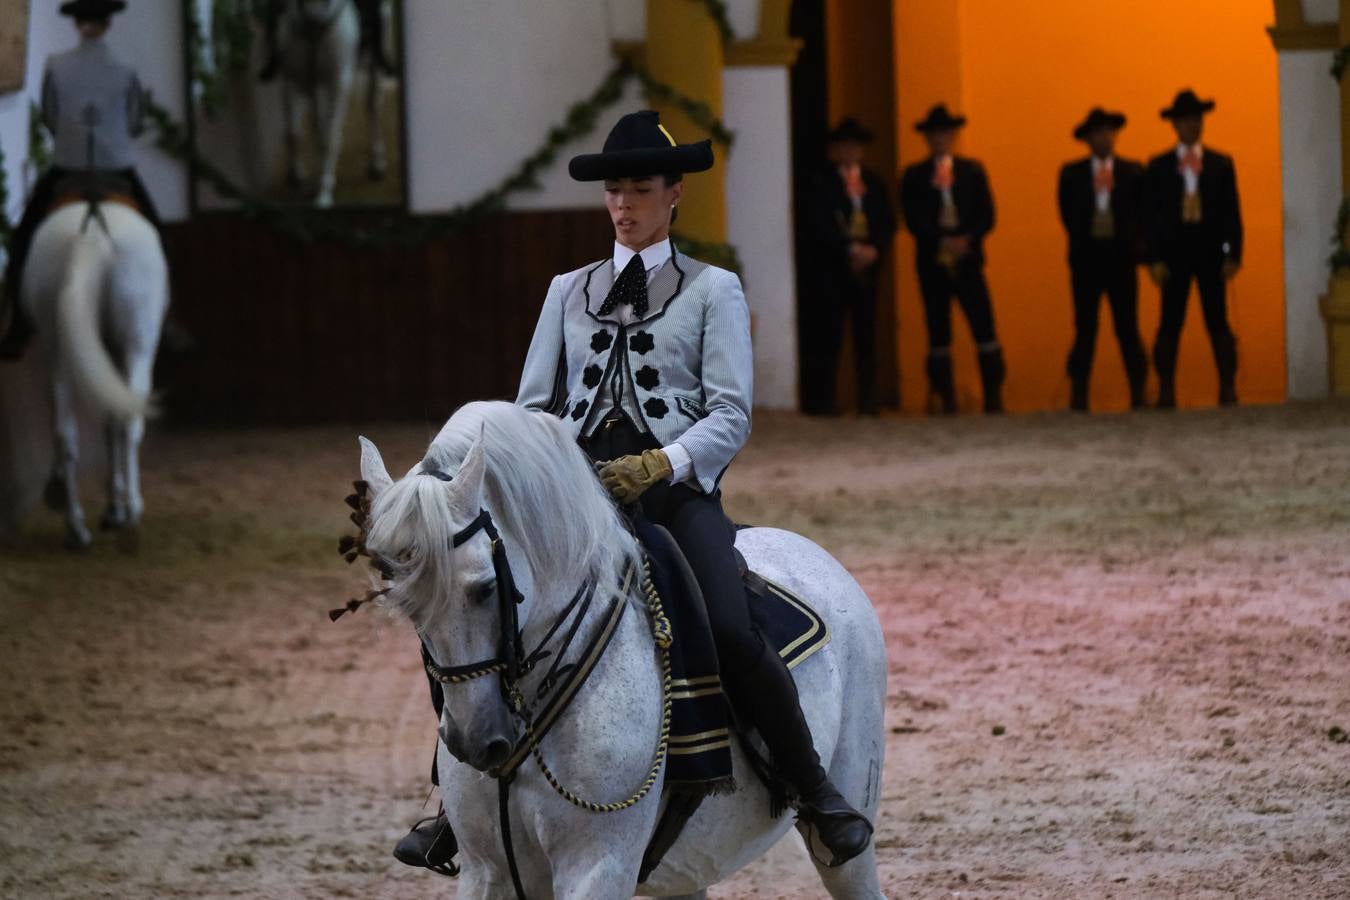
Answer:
(1118, 647)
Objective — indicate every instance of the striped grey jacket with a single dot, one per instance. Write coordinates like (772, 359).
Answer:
(689, 358)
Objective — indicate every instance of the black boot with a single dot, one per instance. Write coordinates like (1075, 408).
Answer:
(1167, 392)
(1078, 395)
(1225, 357)
(941, 384)
(430, 845)
(20, 328)
(992, 373)
(1138, 379)
(767, 695)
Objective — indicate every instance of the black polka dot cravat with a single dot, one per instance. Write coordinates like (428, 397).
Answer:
(630, 287)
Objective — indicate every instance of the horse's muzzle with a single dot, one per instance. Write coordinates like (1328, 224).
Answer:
(486, 758)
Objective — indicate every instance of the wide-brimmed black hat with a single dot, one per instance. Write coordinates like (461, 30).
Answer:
(939, 119)
(638, 145)
(1187, 104)
(850, 129)
(1098, 118)
(92, 9)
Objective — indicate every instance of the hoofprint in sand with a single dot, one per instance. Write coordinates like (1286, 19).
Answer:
(1118, 644)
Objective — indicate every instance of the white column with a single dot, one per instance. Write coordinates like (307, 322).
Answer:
(759, 222)
(1310, 150)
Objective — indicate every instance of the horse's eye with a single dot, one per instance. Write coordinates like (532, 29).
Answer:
(485, 593)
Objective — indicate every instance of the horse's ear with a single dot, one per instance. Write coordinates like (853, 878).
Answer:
(466, 491)
(373, 471)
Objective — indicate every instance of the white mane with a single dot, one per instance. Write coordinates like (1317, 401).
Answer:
(539, 486)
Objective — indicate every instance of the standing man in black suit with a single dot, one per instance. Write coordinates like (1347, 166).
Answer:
(1100, 203)
(852, 225)
(1193, 231)
(948, 206)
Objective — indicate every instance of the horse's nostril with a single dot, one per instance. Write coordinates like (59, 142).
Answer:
(498, 749)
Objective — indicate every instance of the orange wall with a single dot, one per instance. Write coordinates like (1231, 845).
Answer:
(1025, 71)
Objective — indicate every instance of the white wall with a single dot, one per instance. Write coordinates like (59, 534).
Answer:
(1310, 150)
(759, 222)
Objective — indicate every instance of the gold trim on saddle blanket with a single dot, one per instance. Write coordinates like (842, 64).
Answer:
(819, 631)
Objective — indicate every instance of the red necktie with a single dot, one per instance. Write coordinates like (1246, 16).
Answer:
(1189, 162)
(1103, 180)
(942, 174)
(853, 182)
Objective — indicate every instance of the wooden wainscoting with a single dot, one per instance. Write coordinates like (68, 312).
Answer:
(291, 332)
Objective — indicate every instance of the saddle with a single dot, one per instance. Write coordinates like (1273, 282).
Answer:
(94, 187)
(703, 722)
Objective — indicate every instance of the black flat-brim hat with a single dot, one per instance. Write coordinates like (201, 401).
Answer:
(850, 129)
(639, 146)
(939, 119)
(92, 9)
(1187, 104)
(1098, 118)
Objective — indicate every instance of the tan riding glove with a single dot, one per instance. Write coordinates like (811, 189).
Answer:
(628, 476)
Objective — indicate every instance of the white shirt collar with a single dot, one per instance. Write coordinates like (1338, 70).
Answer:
(1099, 164)
(1182, 148)
(652, 257)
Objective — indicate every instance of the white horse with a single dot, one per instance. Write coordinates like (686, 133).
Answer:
(319, 46)
(560, 530)
(96, 288)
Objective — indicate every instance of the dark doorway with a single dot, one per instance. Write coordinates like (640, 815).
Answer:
(810, 123)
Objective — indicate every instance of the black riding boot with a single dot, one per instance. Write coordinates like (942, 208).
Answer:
(430, 845)
(20, 329)
(766, 693)
(992, 373)
(1078, 395)
(940, 380)
(1225, 357)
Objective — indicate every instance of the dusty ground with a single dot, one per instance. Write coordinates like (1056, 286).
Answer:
(1118, 646)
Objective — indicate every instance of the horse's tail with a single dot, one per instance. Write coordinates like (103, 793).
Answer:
(78, 310)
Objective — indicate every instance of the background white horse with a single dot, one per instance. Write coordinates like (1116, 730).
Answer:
(560, 529)
(319, 46)
(96, 288)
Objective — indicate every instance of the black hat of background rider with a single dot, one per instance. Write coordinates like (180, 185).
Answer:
(1187, 104)
(939, 119)
(92, 9)
(639, 145)
(1098, 118)
(850, 129)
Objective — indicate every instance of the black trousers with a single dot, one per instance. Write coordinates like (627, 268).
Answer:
(43, 196)
(706, 536)
(1193, 260)
(1094, 271)
(844, 295)
(966, 282)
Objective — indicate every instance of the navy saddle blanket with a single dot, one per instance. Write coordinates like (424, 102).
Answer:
(700, 731)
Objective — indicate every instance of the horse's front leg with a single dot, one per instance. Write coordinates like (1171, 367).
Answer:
(62, 490)
(378, 163)
(331, 124)
(292, 111)
(609, 878)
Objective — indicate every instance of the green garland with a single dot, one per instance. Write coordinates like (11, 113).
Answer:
(1340, 61)
(39, 145)
(381, 228)
(1340, 258)
(717, 9)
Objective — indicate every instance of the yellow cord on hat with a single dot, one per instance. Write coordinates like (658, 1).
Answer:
(666, 133)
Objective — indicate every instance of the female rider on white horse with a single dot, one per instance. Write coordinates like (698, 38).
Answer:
(647, 356)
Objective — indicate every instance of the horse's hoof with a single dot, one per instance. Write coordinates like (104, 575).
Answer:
(78, 538)
(55, 494)
(113, 520)
(129, 539)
